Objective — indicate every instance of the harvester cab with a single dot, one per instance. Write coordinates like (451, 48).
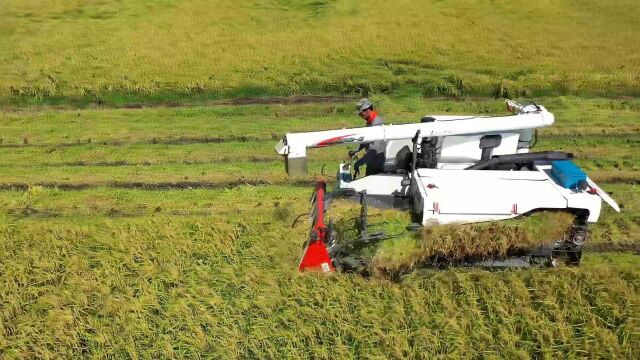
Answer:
(452, 169)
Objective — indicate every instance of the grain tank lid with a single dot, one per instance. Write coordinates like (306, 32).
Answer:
(603, 195)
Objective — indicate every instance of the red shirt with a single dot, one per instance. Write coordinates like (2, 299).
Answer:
(372, 116)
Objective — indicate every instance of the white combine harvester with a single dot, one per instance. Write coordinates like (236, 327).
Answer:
(453, 169)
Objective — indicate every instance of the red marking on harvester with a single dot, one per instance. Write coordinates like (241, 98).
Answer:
(315, 256)
(332, 141)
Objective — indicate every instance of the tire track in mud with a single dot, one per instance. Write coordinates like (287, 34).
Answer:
(47, 213)
(625, 138)
(626, 247)
(283, 100)
(181, 185)
(140, 185)
(618, 180)
(181, 140)
(241, 101)
(602, 175)
(119, 163)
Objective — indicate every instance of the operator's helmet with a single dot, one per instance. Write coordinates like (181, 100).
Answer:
(363, 104)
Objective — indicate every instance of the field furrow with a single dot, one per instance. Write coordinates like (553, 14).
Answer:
(621, 151)
(197, 175)
(254, 122)
(283, 202)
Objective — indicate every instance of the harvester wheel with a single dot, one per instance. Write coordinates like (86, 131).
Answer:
(573, 257)
(351, 264)
(578, 238)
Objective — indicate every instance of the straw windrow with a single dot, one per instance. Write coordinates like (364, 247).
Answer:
(455, 243)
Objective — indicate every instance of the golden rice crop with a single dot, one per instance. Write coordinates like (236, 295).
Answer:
(225, 287)
(169, 51)
(457, 242)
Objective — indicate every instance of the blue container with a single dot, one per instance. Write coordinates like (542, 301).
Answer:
(567, 174)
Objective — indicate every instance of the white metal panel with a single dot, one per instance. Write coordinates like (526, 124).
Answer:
(584, 200)
(454, 166)
(383, 184)
(465, 218)
(485, 195)
(294, 144)
(579, 199)
(466, 148)
(392, 148)
(509, 144)
(602, 194)
(484, 175)
(463, 148)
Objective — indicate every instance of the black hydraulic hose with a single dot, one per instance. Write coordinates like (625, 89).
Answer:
(519, 158)
(414, 159)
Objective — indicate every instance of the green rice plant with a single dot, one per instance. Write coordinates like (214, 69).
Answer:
(258, 122)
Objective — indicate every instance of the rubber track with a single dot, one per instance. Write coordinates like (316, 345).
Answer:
(628, 247)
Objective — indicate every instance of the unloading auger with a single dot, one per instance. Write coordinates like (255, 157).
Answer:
(451, 169)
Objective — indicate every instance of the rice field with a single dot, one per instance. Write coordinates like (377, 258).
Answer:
(166, 233)
(144, 213)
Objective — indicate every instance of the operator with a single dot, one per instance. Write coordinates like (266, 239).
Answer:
(374, 155)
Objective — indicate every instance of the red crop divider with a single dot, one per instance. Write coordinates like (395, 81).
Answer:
(315, 256)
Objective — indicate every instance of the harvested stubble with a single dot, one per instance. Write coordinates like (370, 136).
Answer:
(455, 243)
